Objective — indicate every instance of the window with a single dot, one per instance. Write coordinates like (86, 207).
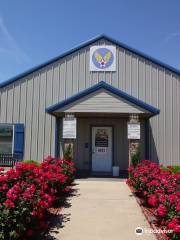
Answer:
(6, 138)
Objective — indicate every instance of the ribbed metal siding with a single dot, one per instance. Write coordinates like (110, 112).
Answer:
(25, 100)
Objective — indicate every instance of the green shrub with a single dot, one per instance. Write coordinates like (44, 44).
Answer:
(31, 162)
(68, 152)
(164, 169)
(173, 169)
(135, 158)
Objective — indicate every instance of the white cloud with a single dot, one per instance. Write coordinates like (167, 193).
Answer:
(8, 45)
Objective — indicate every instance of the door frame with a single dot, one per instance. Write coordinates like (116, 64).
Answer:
(90, 149)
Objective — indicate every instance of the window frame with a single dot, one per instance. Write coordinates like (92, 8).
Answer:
(13, 135)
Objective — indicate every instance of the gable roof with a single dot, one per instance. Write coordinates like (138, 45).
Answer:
(108, 87)
(85, 44)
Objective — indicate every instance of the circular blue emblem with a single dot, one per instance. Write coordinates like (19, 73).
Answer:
(102, 58)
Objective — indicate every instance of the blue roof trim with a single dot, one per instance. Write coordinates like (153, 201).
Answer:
(109, 88)
(91, 41)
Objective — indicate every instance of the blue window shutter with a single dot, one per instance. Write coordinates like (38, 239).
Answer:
(19, 140)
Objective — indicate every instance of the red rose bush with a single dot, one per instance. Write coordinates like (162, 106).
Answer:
(161, 191)
(26, 193)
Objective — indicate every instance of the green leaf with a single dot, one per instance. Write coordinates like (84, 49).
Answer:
(13, 234)
(2, 237)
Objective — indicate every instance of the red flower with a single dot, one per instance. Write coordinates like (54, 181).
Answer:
(34, 213)
(49, 158)
(171, 224)
(178, 207)
(172, 198)
(177, 194)
(152, 200)
(1, 169)
(144, 179)
(9, 203)
(3, 178)
(153, 183)
(177, 228)
(145, 193)
(169, 167)
(161, 210)
(162, 198)
(170, 190)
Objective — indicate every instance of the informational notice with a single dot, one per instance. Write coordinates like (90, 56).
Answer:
(101, 138)
(134, 131)
(69, 128)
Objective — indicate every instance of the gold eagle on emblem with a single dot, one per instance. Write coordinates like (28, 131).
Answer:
(102, 60)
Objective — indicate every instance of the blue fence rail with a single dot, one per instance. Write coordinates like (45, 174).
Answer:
(9, 160)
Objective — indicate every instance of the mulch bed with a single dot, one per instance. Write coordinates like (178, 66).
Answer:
(149, 215)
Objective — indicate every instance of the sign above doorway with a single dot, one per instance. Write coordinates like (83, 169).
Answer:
(103, 58)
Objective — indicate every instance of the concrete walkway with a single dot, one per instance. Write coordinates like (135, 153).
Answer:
(101, 210)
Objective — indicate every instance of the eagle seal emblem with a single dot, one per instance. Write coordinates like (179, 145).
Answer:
(102, 58)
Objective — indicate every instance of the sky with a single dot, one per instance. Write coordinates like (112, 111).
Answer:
(34, 31)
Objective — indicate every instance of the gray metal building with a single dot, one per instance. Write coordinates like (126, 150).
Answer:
(35, 102)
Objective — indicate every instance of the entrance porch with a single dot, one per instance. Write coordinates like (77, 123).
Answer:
(86, 145)
(102, 113)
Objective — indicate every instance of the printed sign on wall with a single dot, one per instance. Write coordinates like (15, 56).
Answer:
(69, 128)
(103, 58)
(134, 131)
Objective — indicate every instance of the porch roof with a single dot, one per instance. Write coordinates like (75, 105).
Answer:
(103, 97)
